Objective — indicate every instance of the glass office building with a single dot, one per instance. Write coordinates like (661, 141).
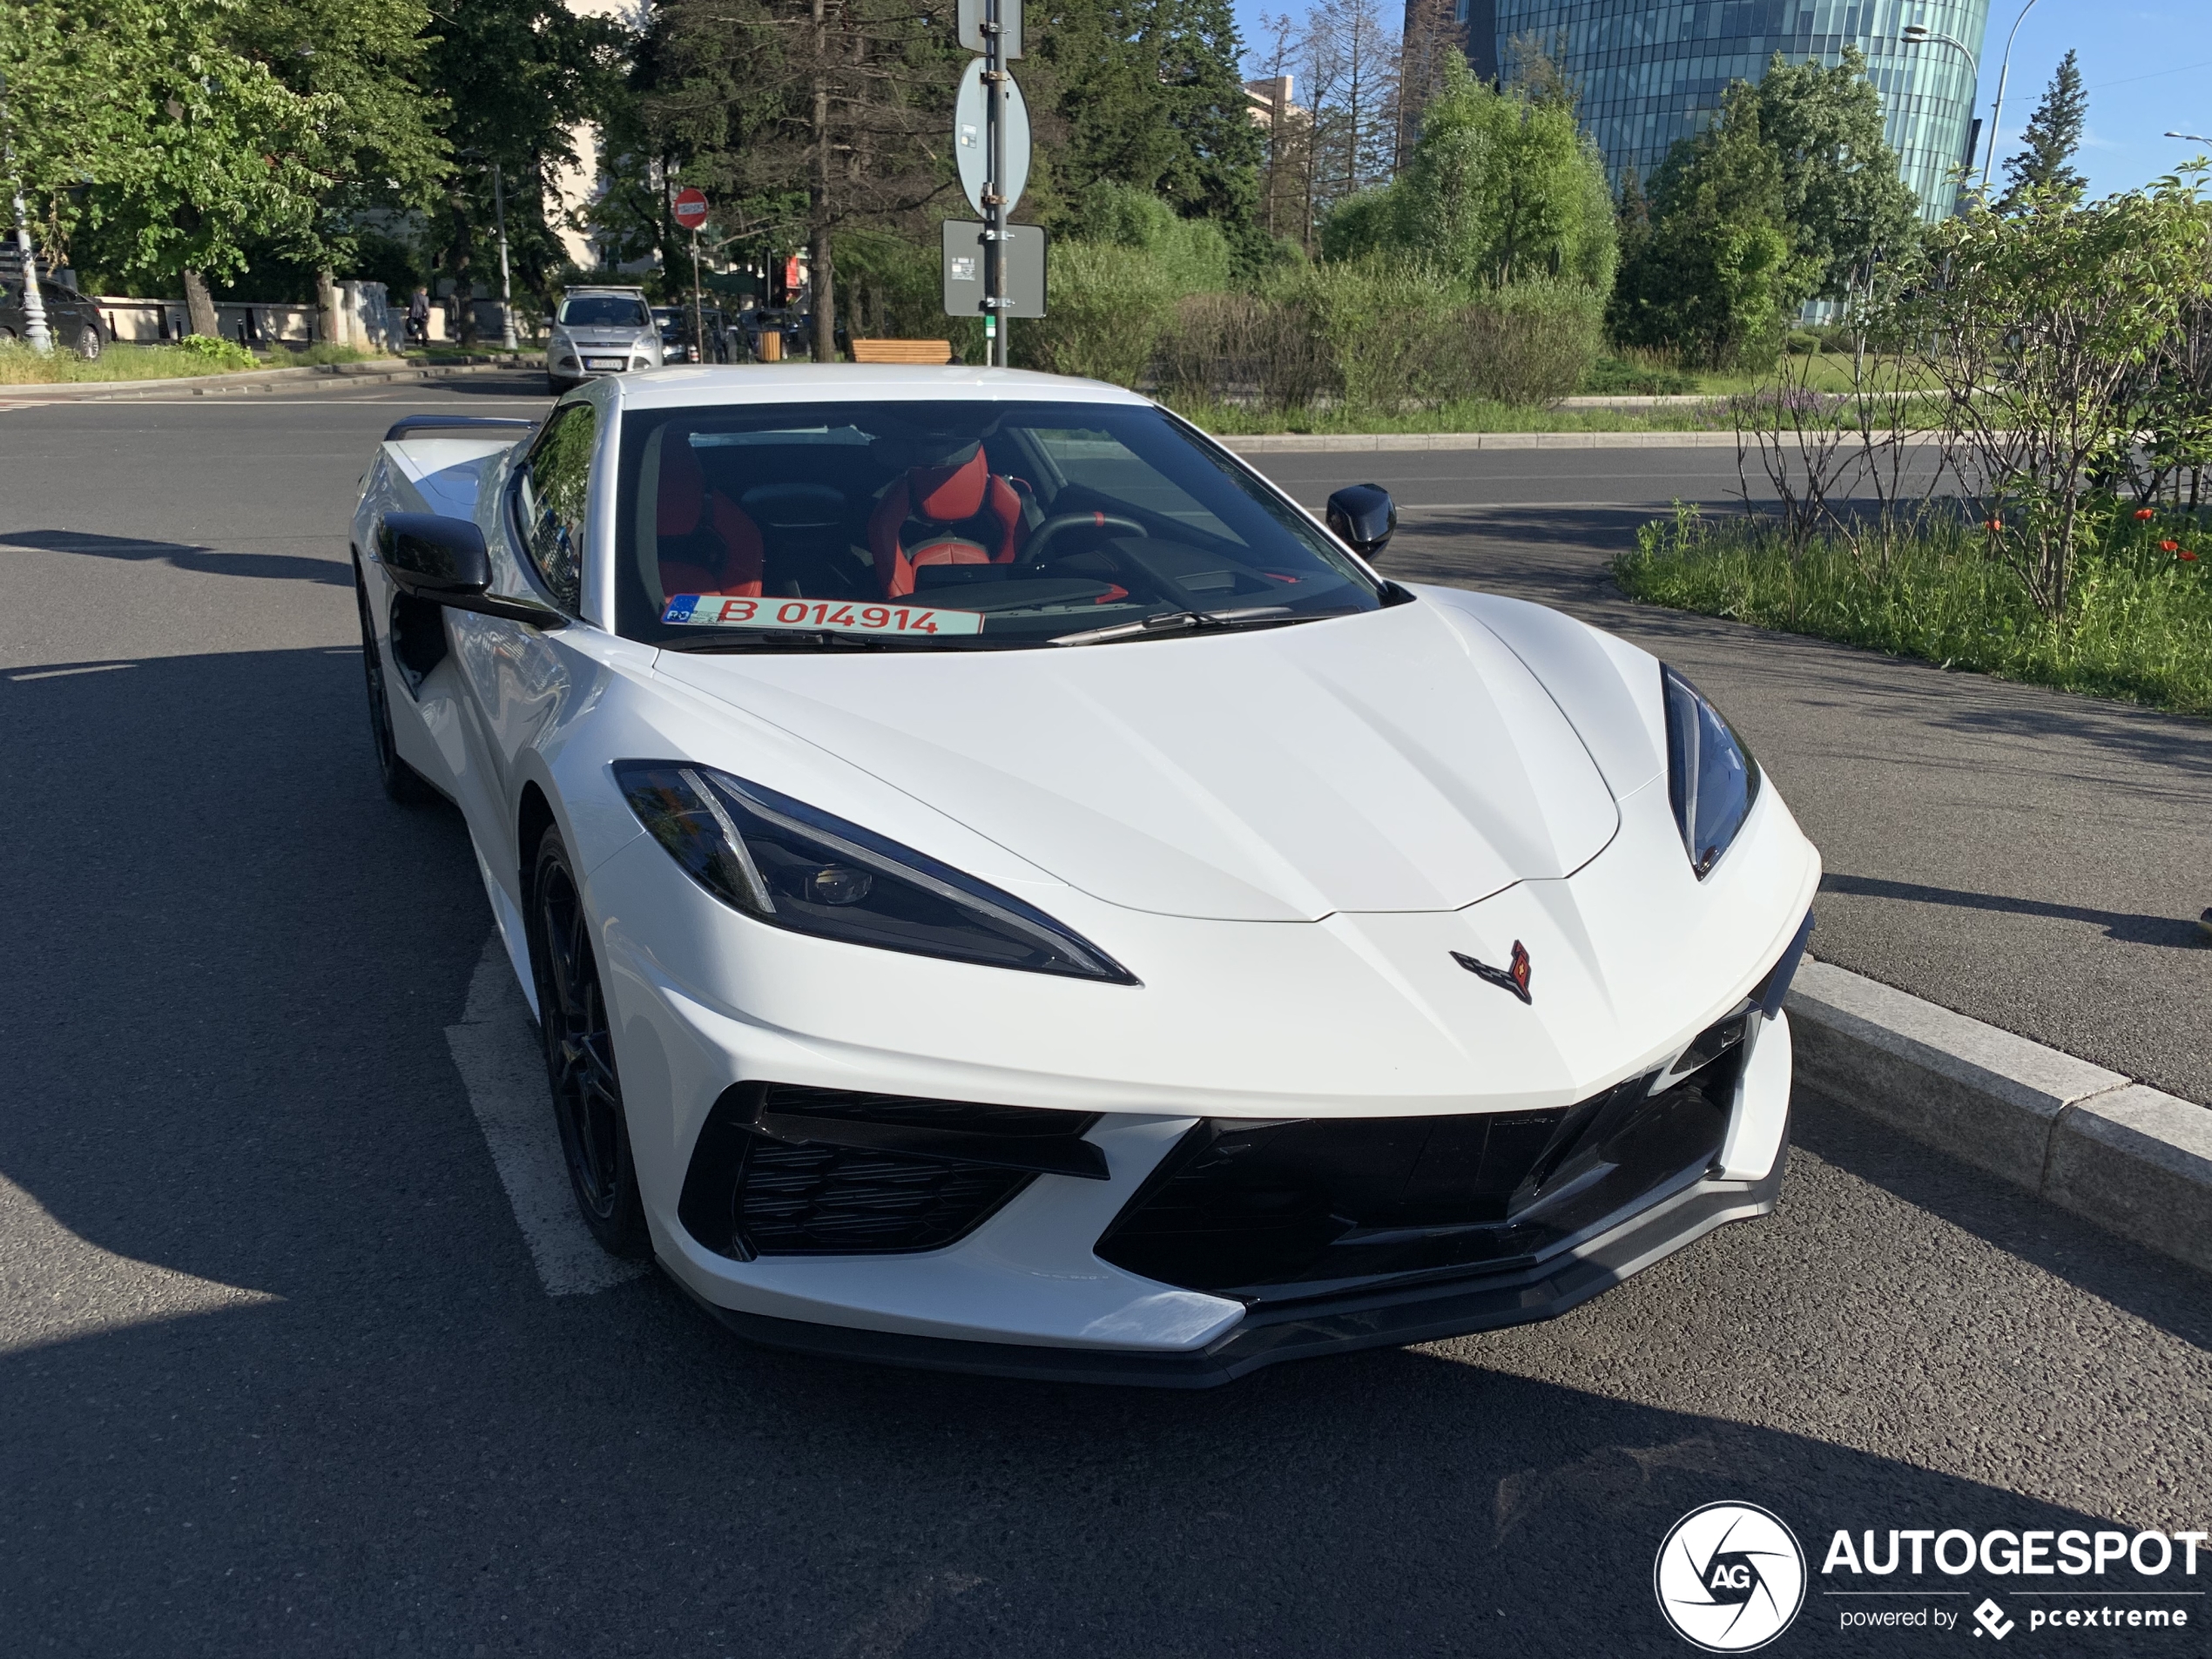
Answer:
(1652, 73)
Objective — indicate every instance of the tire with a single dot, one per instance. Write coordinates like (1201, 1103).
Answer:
(401, 782)
(87, 342)
(580, 1058)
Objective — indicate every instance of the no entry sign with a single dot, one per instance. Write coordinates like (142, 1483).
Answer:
(690, 208)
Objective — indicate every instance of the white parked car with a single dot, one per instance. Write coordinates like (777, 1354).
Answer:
(1003, 887)
(601, 331)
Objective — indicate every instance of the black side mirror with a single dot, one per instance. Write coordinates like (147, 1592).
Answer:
(1363, 517)
(445, 562)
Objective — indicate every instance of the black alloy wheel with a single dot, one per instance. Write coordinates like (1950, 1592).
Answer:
(580, 1058)
(401, 782)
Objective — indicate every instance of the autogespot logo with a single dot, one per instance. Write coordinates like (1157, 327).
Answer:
(1729, 1577)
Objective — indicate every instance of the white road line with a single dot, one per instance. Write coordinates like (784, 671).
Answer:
(56, 673)
(495, 1050)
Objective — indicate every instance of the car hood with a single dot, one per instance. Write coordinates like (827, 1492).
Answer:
(1399, 761)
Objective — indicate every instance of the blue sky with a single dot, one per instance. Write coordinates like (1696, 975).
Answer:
(2147, 68)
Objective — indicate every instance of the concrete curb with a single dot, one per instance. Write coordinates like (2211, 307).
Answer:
(2114, 1151)
(272, 379)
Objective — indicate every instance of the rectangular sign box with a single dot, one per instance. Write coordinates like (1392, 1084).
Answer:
(1025, 270)
(968, 14)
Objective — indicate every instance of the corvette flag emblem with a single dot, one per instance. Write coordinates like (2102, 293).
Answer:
(1513, 979)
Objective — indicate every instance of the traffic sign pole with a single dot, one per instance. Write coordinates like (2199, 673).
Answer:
(995, 191)
(690, 208)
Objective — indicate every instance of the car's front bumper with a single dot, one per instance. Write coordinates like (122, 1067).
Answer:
(1395, 1317)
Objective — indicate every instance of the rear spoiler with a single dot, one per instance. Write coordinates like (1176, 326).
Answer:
(407, 424)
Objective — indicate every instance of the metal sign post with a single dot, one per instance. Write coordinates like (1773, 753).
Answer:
(690, 208)
(991, 144)
(994, 192)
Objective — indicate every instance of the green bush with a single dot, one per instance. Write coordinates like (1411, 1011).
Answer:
(2140, 625)
(217, 354)
(1192, 253)
(1106, 308)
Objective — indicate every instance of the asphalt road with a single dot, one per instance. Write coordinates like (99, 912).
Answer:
(279, 1375)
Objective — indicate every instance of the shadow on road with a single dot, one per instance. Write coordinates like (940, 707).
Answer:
(2180, 932)
(281, 566)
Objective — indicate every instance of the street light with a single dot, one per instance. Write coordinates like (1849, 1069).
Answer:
(1996, 115)
(2193, 138)
(1915, 34)
(507, 341)
(36, 332)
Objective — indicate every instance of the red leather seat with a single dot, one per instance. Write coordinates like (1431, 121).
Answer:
(708, 544)
(962, 514)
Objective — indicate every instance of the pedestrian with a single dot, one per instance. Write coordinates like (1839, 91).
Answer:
(418, 317)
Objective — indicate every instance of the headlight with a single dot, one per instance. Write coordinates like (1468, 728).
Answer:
(785, 863)
(1711, 777)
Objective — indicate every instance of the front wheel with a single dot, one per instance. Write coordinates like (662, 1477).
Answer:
(88, 342)
(580, 1058)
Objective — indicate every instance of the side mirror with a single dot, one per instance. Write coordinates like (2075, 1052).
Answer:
(444, 560)
(1363, 517)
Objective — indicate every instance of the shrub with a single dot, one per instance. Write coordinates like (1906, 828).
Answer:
(217, 354)
(1106, 307)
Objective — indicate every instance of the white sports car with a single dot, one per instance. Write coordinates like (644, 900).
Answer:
(1003, 887)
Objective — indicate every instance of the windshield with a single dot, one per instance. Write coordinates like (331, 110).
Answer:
(603, 311)
(953, 525)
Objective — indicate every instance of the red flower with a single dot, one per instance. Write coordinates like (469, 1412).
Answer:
(2145, 512)
(2186, 554)
(2168, 547)
(1997, 524)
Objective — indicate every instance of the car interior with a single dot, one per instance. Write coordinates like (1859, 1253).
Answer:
(1033, 524)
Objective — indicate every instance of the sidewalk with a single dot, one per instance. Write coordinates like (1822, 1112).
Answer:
(261, 380)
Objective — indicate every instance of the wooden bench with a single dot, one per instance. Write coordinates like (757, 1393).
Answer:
(902, 351)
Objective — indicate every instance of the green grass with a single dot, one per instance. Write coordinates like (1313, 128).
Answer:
(1229, 419)
(1645, 374)
(2139, 625)
(20, 366)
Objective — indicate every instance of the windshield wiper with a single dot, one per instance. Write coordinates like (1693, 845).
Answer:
(1169, 622)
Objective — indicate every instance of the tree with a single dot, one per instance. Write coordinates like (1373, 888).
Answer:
(2038, 326)
(2053, 134)
(811, 118)
(1842, 195)
(1721, 268)
(376, 140)
(515, 77)
(1499, 188)
(136, 121)
(1151, 95)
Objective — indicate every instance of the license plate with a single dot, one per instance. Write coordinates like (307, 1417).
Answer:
(603, 362)
(713, 610)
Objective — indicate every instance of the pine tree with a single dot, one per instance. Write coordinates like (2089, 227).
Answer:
(2053, 134)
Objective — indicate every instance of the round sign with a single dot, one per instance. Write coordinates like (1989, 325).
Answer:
(690, 208)
(1729, 1577)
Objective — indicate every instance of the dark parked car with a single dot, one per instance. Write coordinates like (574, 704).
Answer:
(70, 317)
(676, 333)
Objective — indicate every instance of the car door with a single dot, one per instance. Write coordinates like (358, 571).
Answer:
(517, 679)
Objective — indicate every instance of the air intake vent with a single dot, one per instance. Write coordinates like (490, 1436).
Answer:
(782, 1169)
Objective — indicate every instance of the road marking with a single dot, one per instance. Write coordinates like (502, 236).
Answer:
(495, 1050)
(56, 673)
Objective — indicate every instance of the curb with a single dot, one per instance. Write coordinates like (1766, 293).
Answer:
(275, 380)
(2114, 1151)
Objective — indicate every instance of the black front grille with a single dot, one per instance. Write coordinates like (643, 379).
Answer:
(781, 1170)
(842, 1201)
(1273, 1212)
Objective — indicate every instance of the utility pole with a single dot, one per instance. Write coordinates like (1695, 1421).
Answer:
(507, 341)
(995, 326)
(36, 332)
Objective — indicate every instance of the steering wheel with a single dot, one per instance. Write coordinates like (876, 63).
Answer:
(1040, 538)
